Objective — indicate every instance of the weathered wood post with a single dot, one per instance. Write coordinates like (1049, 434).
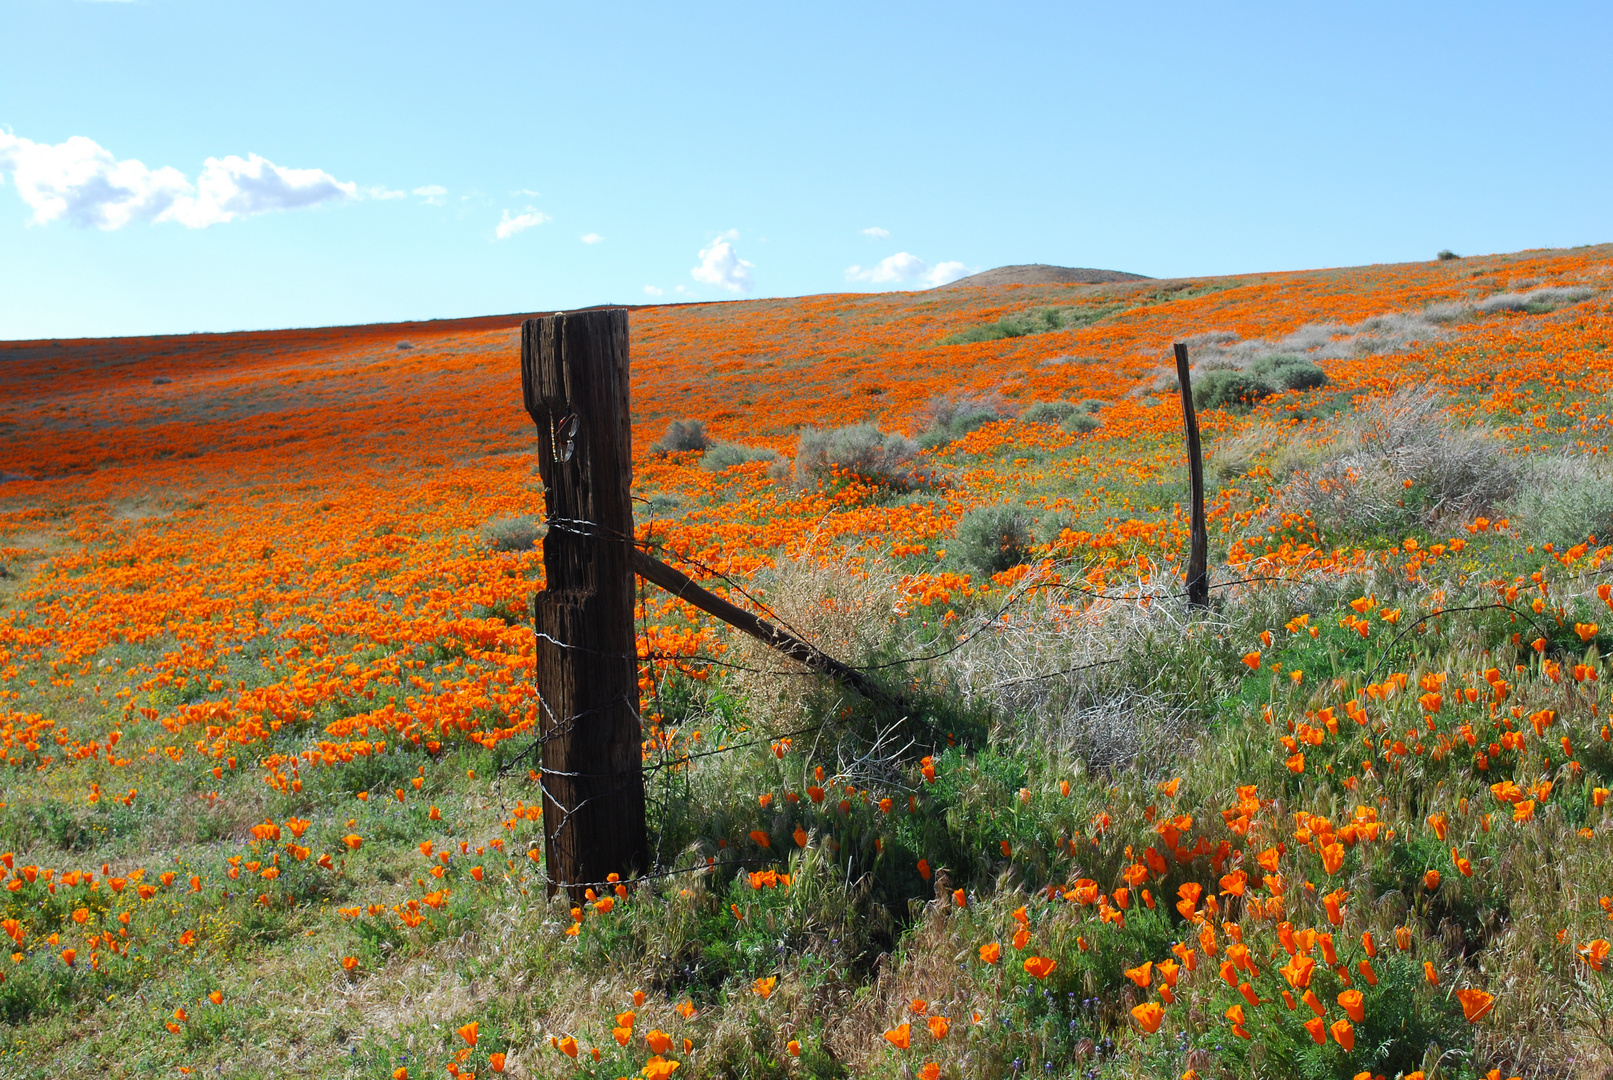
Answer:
(574, 380)
(1198, 559)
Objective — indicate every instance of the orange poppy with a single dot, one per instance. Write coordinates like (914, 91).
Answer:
(1476, 1004)
(1148, 1016)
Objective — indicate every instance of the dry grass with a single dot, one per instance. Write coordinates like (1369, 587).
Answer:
(1401, 463)
(846, 609)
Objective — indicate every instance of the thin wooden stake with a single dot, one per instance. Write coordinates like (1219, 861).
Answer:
(574, 381)
(1198, 559)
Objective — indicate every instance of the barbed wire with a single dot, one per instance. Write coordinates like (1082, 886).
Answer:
(667, 759)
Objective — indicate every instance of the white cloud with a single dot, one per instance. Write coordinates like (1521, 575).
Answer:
(508, 226)
(431, 193)
(81, 181)
(941, 273)
(590, 238)
(528, 192)
(904, 268)
(384, 193)
(721, 265)
(877, 233)
(654, 290)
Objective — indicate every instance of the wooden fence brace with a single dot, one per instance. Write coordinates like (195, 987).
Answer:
(678, 584)
(574, 383)
(1198, 559)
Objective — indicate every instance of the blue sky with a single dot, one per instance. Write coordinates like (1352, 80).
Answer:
(172, 166)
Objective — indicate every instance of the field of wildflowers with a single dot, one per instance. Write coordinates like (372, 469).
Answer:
(267, 805)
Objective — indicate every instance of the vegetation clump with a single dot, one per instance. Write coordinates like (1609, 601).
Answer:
(991, 539)
(955, 416)
(1034, 321)
(883, 459)
(518, 533)
(1050, 412)
(725, 455)
(682, 436)
(1079, 417)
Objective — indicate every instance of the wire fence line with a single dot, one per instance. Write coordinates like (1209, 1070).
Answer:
(667, 759)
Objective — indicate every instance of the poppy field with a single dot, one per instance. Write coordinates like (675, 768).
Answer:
(269, 803)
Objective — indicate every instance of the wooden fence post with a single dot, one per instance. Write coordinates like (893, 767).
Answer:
(1198, 559)
(574, 381)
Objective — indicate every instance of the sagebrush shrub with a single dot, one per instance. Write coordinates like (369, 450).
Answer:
(1034, 321)
(884, 459)
(725, 455)
(1535, 301)
(1225, 389)
(955, 416)
(1049, 412)
(993, 538)
(1401, 462)
(519, 533)
(1081, 423)
(1566, 500)
(681, 436)
(1289, 372)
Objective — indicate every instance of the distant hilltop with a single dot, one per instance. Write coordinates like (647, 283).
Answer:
(1041, 274)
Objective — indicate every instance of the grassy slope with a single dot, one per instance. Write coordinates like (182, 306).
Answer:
(253, 561)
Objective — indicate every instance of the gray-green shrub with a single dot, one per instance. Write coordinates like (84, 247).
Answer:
(886, 459)
(1230, 389)
(519, 533)
(990, 539)
(682, 436)
(1289, 372)
(1049, 412)
(1081, 423)
(726, 455)
(1565, 500)
(954, 417)
(1535, 301)
(1034, 321)
(1400, 463)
